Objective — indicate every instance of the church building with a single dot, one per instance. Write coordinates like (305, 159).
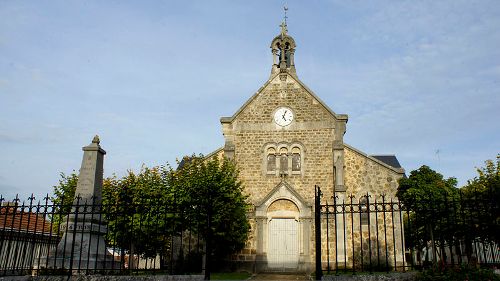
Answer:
(285, 140)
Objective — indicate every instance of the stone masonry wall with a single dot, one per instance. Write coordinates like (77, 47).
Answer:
(313, 128)
(366, 175)
(378, 241)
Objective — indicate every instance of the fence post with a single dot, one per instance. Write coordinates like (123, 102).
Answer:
(317, 228)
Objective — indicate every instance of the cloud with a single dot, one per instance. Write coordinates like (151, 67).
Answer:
(12, 138)
(427, 79)
(154, 80)
(3, 83)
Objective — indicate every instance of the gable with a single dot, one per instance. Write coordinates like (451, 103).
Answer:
(376, 161)
(366, 174)
(283, 191)
(283, 89)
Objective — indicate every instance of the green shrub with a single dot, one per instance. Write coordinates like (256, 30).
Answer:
(458, 273)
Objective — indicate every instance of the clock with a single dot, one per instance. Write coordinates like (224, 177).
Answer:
(283, 116)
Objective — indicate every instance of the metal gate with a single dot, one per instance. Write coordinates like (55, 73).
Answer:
(283, 252)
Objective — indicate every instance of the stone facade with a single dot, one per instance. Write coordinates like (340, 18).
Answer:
(366, 174)
(282, 158)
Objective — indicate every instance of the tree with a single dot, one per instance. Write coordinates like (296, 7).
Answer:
(432, 205)
(210, 195)
(481, 205)
(135, 209)
(132, 207)
(487, 182)
(145, 211)
(425, 184)
(62, 199)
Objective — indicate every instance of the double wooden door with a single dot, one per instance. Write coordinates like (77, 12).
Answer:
(283, 250)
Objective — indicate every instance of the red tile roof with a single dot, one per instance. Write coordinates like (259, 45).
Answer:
(13, 218)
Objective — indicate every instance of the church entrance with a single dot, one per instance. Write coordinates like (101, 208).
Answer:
(283, 252)
(283, 236)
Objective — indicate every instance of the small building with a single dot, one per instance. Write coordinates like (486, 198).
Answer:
(25, 236)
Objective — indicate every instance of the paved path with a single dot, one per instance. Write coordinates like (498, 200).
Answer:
(279, 276)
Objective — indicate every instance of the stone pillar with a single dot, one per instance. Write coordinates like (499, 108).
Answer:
(260, 234)
(338, 154)
(82, 246)
(229, 150)
(282, 58)
(292, 62)
(306, 238)
(261, 243)
(339, 186)
(227, 131)
(340, 228)
(338, 163)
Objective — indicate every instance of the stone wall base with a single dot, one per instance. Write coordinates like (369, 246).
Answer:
(396, 276)
(260, 266)
(105, 278)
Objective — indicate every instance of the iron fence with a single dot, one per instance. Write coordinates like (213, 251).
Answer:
(38, 238)
(353, 234)
(368, 233)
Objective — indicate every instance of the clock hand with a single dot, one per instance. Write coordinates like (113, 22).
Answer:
(284, 115)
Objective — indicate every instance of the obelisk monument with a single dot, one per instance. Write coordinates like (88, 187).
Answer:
(82, 246)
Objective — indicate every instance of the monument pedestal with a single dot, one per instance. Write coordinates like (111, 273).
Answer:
(82, 246)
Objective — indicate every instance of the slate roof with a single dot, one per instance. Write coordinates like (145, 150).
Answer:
(184, 161)
(390, 160)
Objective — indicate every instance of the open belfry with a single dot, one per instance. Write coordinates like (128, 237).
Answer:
(285, 140)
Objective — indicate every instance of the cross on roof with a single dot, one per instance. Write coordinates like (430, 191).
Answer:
(283, 28)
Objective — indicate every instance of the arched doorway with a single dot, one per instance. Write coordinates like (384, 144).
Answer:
(283, 235)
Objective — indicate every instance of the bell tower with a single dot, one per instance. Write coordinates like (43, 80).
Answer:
(283, 50)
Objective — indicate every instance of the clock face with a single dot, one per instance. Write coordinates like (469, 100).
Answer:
(283, 116)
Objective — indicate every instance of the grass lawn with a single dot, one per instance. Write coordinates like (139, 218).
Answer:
(230, 276)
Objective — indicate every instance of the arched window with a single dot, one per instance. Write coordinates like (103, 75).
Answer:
(271, 160)
(283, 160)
(296, 159)
(287, 54)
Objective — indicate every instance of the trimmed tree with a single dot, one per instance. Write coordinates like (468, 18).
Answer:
(211, 196)
(62, 199)
(481, 206)
(145, 211)
(432, 204)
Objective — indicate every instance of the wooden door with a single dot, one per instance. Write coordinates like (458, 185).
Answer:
(283, 250)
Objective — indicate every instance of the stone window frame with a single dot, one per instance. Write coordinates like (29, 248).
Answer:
(283, 154)
(294, 148)
(287, 149)
(270, 151)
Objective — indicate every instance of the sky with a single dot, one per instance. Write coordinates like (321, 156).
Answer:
(418, 79)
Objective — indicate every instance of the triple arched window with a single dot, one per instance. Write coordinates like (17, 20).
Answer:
(283, 159)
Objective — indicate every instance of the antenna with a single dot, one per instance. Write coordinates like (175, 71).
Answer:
(285, 8)
(438, 151)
